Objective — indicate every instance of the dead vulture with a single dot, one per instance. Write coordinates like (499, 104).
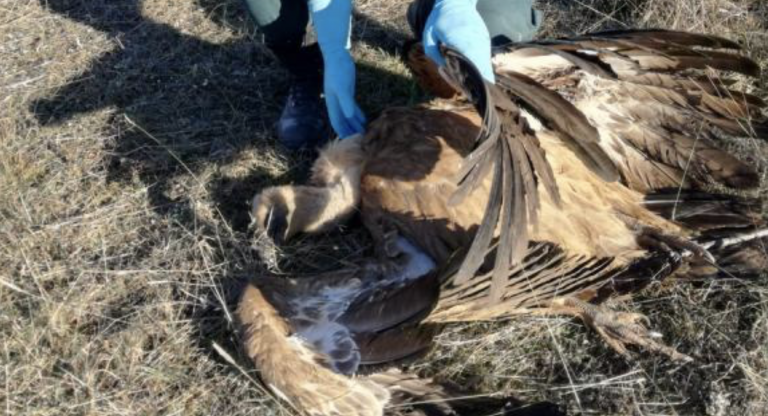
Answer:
(588, 170)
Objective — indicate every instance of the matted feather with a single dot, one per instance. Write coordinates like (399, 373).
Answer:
(513, 197)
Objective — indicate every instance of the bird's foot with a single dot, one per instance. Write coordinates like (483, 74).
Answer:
(271, 213)
(284, 211)
(656, 238)
(618, 329)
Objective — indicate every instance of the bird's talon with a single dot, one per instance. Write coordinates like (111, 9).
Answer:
(671, 242)
(619, 329)
(271, 214)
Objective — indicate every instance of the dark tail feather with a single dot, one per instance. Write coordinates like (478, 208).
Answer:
(729, 227)
(654, 267)
(414, 396)
(398, 345)
(392, 306)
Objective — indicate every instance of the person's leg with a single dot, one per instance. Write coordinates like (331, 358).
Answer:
(507, 20)
(283, 24)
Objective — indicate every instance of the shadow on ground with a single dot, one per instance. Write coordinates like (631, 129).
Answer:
(181, 102)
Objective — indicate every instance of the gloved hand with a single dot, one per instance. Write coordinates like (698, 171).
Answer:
(457, 23)
(332, 19)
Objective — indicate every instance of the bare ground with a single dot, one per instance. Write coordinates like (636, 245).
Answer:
(132, 135)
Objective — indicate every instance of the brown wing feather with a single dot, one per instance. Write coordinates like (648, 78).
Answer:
(544, 273)
(655, 37)
(513, 201)
(391, 306)
(663, 113)
(706, 212)
(682, 59)
(643, 91)
(498, 125)
(562, 117)
(396, 345)
(587, 64)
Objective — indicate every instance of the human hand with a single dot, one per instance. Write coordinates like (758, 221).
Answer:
(457, 24)
(331, 19)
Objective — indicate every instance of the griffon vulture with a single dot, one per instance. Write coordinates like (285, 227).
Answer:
(588, 170)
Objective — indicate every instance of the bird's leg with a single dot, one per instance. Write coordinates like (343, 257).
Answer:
(332, 196)
(618, 329)
(284, 211)
(654, 238)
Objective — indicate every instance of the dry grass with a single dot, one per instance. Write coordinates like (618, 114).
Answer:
(131, 135)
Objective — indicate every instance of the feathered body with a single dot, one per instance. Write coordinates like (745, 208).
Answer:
(583, 173)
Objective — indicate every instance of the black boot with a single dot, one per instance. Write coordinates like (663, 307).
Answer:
(302, 124)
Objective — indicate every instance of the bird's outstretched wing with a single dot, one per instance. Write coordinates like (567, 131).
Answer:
(508, 146)
(659, 100)
(646, 106)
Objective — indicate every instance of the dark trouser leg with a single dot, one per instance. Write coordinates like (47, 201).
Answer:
(507, 20)
(283, 24)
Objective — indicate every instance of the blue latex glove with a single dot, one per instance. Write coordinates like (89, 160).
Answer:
(332, 19)
(457, 23)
